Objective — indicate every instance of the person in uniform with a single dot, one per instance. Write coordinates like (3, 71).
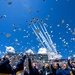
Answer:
(5, 67)
(19, 70)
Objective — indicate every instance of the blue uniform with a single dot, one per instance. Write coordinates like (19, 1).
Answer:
(33, 71)
(54, 70)
(72, 67)
(20, 66)
(5, 67)
(64, 72)
(26, 73)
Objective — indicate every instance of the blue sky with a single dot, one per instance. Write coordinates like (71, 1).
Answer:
(59, 13)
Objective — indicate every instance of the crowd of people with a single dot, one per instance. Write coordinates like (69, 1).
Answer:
(47, 69)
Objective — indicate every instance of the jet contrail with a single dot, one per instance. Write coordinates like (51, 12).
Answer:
(51, 43)
(39, 28)
(45, 33)
(42, 37)
(38, 37)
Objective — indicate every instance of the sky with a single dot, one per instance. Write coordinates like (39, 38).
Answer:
(16, 15)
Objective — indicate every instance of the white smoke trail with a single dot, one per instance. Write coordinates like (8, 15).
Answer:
(38, 37)
(42, 34)
(43, 37)
(45, 33)
(51, 43)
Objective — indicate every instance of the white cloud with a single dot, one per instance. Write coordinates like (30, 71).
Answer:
(42, 51)
(10, 49)
(51, 55)
(29, 51)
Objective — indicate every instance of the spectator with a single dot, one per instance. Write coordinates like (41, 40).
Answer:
(32, 68)
(64, 70)
(25, 71)
(55, 67)
(5, 67)
(47, 70)
(72, 66)
(20, 66)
